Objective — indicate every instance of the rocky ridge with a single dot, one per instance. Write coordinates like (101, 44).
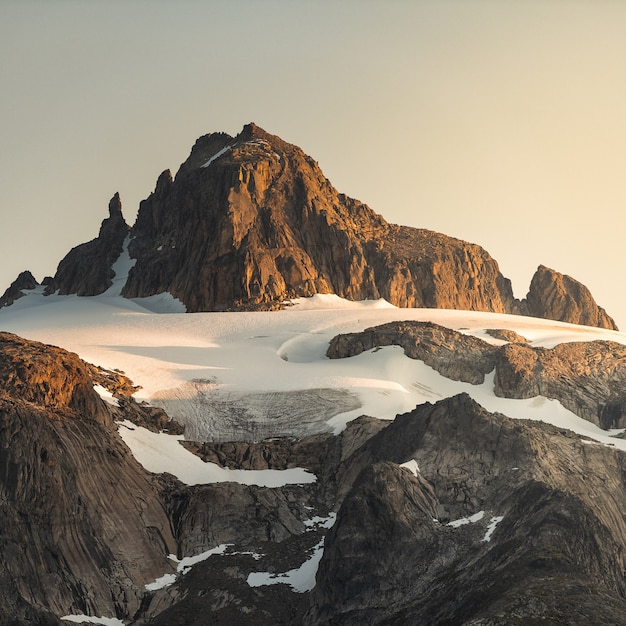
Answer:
(588, 378)
(24, 282)
(70, 491)
(249, 222)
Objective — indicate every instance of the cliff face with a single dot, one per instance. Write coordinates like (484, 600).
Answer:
(251, 221)
(83, 529)
(493, 523)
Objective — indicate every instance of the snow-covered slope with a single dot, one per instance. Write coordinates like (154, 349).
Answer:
(257, 375)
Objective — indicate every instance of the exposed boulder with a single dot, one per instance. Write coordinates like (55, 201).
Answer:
(557, 296)
(505, 334)
(87, 269)
(453, 354)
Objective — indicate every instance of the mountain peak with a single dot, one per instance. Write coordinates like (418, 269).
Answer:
(252, 131)
(250, 222)
(86, 270)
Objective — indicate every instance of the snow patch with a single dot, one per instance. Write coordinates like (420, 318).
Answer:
(492, 526)
(412, 466)
(90, 619)
(187, 562)
(183, 566)
(216, 156)
(472, 519)
(332, 301)
(301, 579)
(106, 395)
(121, 268)
(160, 453)
(320, 522)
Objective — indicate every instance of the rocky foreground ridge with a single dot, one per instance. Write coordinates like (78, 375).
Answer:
(250, 221)
(448, 515)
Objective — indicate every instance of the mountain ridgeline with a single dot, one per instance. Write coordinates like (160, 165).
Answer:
(250, 221)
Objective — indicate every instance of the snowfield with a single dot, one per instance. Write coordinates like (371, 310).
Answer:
(258, 375)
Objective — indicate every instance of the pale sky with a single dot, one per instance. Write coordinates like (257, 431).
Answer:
(499, 122)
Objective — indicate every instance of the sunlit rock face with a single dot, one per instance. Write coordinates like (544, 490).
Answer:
(557, 296)
(250, 221)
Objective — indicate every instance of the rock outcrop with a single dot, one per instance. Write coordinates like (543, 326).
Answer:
(453, 354)
(588, 378)
(87, 269)
(557, 296)
(499, 525)
(24, 282)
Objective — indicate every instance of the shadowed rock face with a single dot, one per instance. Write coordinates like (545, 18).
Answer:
(25, 281)
(393, 557)
(82, 527)
(556, 296)
(86, 269)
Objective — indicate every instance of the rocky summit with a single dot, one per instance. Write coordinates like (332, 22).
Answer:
(250, 222)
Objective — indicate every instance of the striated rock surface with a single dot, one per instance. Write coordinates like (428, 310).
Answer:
(82, 526)
(556, 296)
(86, 269)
